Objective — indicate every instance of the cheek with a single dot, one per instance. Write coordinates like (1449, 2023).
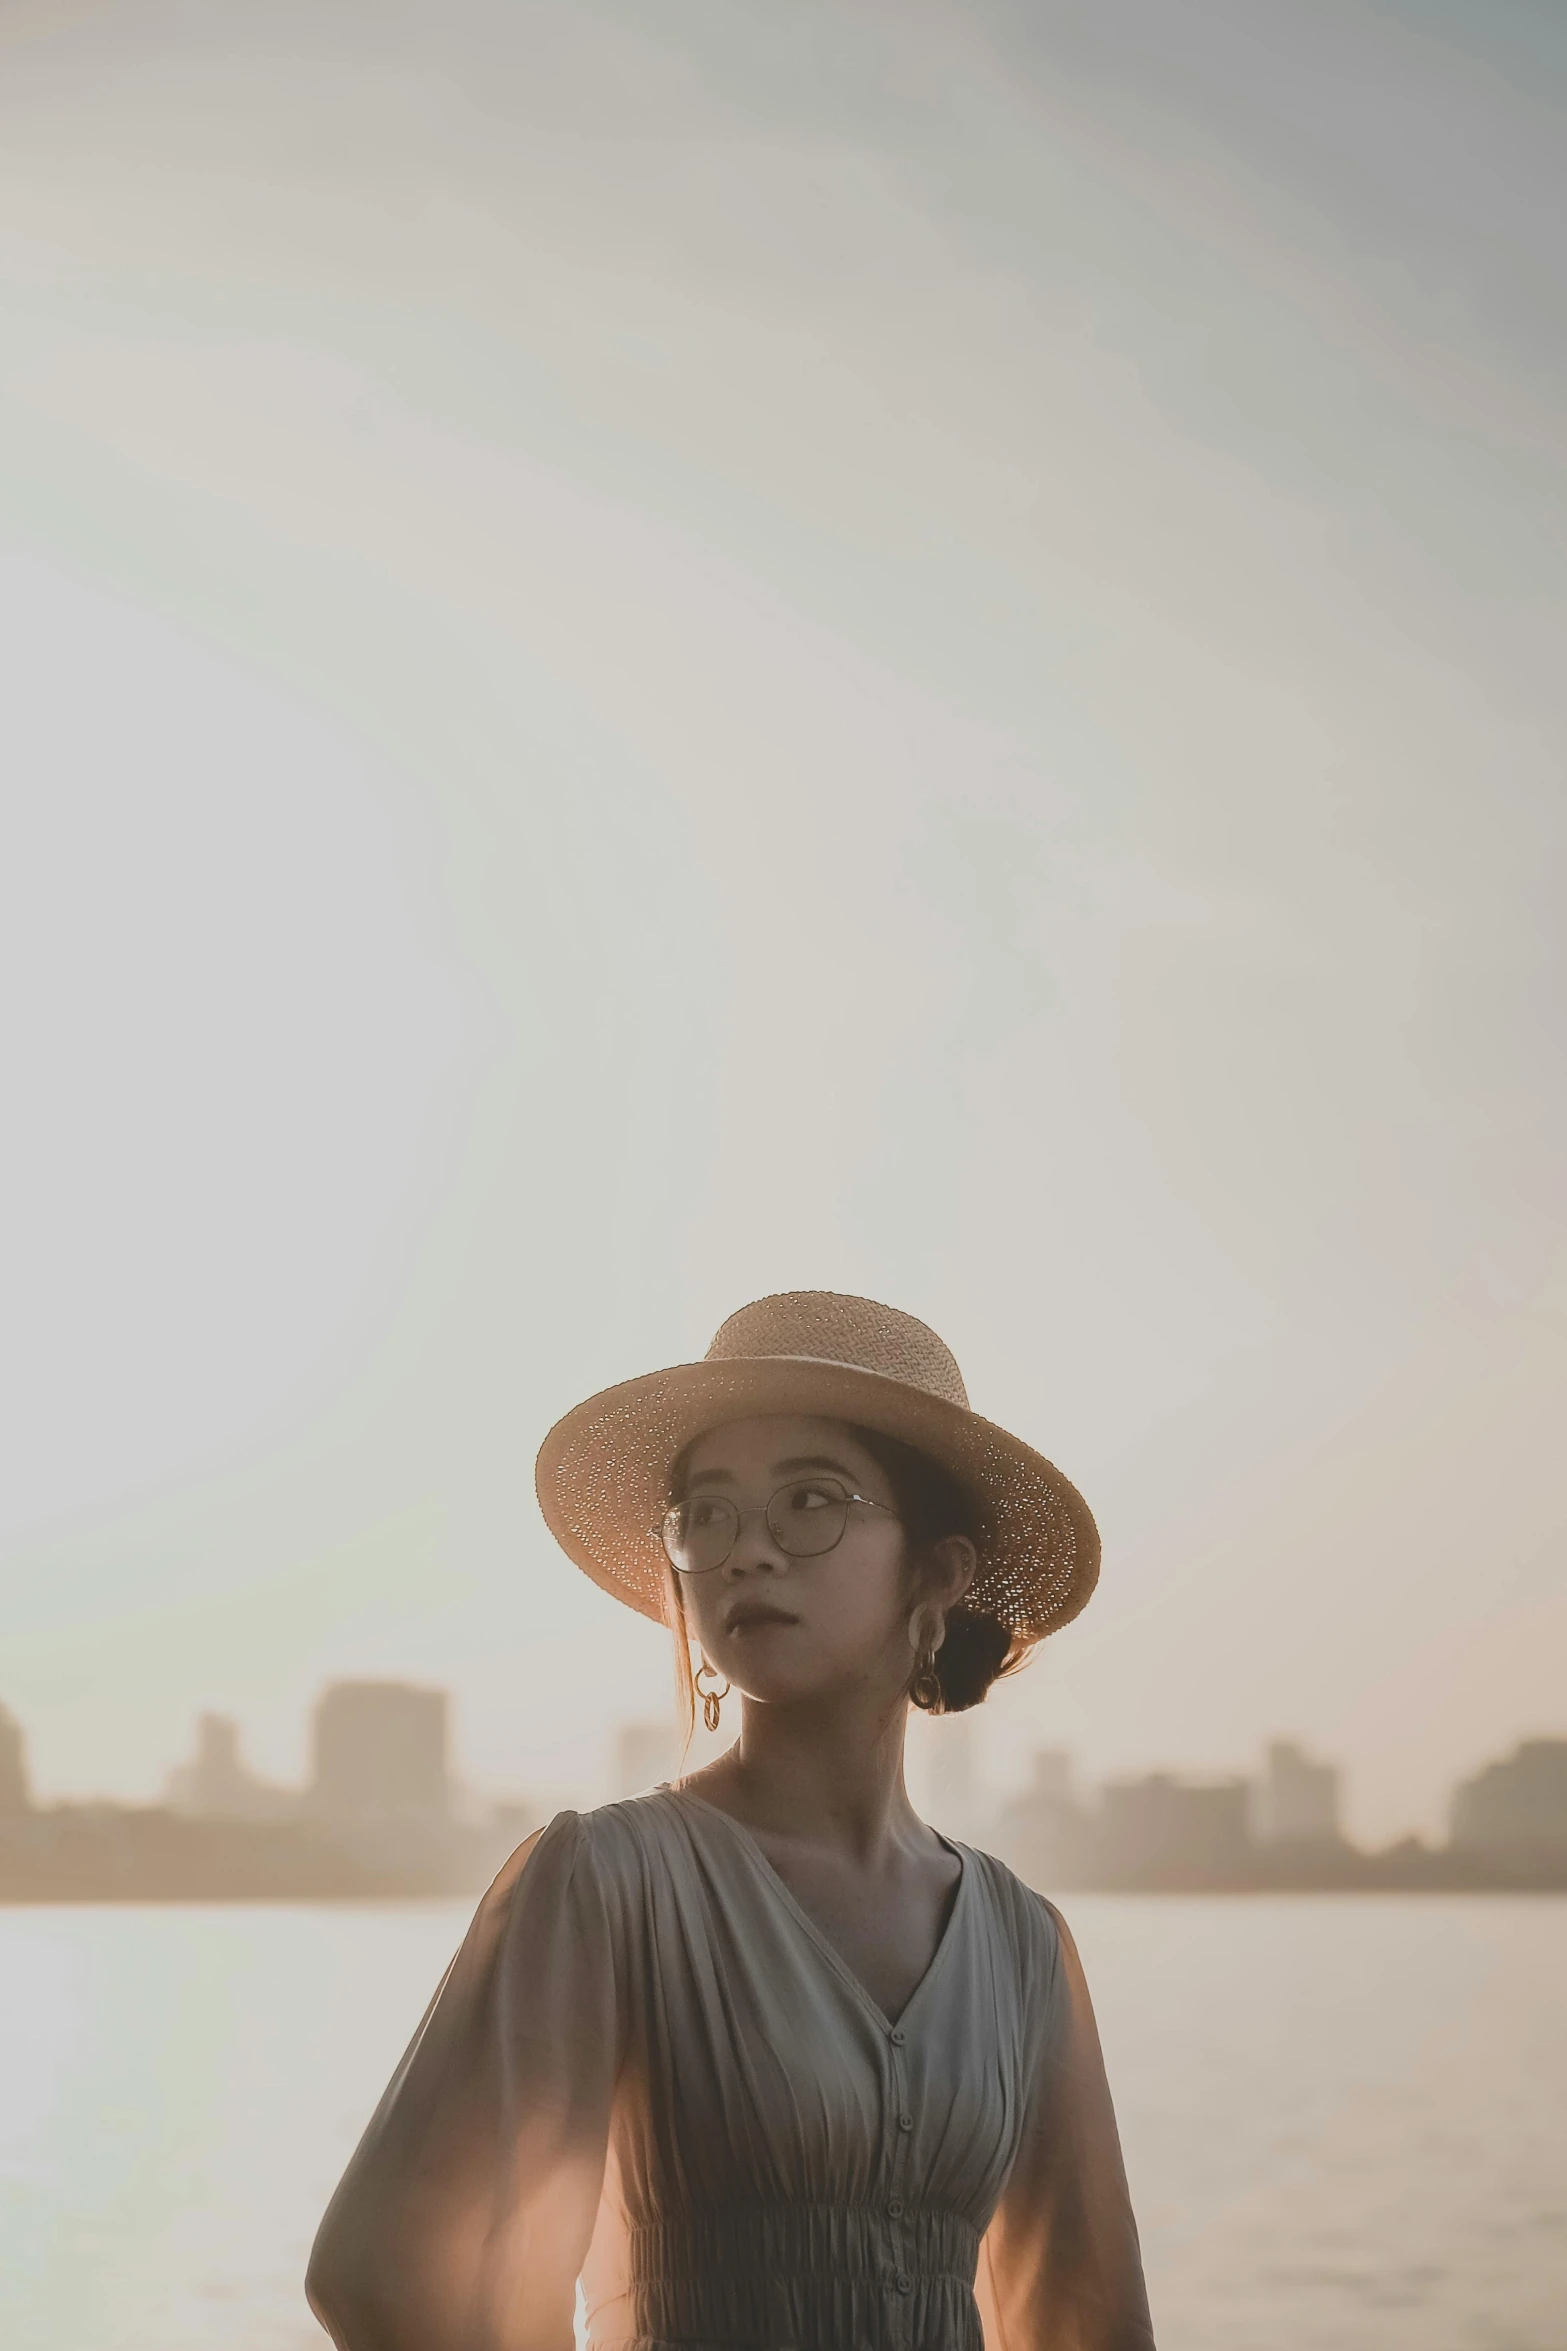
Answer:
(703, 1597)
(864, 1605)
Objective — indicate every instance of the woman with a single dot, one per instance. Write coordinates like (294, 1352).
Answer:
(759, 2057)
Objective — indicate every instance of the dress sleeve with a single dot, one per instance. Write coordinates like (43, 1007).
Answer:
(1060, 2268)
(463, 2217)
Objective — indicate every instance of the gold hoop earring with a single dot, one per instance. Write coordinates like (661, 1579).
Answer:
(925, 1687)
(712, 1700)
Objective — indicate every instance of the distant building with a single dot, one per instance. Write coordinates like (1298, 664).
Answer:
(1052, 1781)
(952, 1776)
(1043, 1833)
(646, 1753)
(217, 1784)
(14, 1795)
(380, 1753)
(1164, 1831)
(1296, 1801)
(506, 1824)
(1516, 1808)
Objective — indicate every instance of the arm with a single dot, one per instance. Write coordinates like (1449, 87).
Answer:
(464, 2214)
(1060, 2268)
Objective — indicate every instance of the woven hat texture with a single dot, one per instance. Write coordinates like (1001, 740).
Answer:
(603, 1471)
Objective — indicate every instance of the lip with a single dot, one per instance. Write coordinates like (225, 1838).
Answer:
(755, 1612)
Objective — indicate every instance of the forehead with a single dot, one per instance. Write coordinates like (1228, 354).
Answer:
(766, 1446)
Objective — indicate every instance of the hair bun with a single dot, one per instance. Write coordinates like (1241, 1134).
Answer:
(973, 1653)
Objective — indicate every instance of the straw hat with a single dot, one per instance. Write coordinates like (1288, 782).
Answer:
(603, 1471)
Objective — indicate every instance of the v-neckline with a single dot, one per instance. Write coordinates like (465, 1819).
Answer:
(823, 1942)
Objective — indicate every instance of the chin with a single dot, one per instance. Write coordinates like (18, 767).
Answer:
(781, 1689)
(797, 1688)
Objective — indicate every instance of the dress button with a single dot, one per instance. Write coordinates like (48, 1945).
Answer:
(905, 2122)
(895, 2207)
(903, 2282)
(897, 2036)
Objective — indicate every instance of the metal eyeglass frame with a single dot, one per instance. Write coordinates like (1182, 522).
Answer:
(740, 1517)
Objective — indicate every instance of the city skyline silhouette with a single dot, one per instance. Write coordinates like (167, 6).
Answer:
(384, 1811)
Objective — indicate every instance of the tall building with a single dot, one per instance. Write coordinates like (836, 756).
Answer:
(14, 1795)
(952, 1776)
(1296, 1801)
(380, 1753)
(1161, 1830)
(645, 1754)
(217, 1784)
(1052, 1780)
(1043, 1833)
(1516, 1807)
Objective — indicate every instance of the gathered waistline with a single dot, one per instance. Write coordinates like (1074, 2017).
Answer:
(821, 2241)
(796, 2277)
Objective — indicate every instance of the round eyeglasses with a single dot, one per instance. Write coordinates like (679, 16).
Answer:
(804, 1519)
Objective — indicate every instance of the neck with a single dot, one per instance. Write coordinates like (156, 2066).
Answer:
(828, 1773)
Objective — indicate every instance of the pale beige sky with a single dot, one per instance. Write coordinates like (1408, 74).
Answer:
(565, 568)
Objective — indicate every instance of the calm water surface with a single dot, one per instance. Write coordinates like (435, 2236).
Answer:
(1345, 2119)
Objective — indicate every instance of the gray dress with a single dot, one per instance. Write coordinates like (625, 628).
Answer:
(647, 2067)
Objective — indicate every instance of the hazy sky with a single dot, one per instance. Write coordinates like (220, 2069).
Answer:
(578, 577)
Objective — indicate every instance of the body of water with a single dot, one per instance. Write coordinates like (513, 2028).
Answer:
(1345, 2119)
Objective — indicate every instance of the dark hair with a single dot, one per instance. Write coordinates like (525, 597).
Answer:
(977, 1647)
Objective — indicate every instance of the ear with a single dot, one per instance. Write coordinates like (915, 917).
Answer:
(954, 1562)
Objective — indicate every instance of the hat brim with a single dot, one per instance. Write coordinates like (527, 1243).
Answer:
(602, 1478)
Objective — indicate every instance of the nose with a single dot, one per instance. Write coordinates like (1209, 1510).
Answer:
(756, 1548)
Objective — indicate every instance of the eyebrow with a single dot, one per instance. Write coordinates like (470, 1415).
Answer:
(814, 1461)
(797, 1461)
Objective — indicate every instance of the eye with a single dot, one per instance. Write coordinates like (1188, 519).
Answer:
(704, 1511)
(821, 1494)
